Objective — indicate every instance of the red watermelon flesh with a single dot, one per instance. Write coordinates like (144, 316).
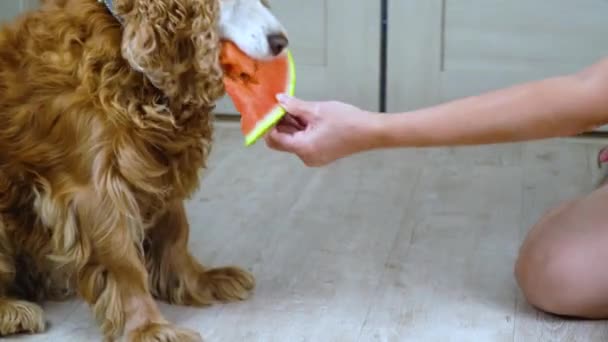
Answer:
(252, 85)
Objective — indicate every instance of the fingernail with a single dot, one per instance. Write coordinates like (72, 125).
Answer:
(282, 98)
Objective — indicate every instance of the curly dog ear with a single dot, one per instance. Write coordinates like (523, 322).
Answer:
(175, 43)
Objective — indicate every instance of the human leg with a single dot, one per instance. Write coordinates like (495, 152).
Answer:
(561, 267)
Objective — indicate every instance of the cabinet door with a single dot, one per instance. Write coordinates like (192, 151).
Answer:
(441, 50)
(336, 45)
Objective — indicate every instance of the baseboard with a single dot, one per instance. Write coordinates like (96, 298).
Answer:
(227, 117)
(595, 137)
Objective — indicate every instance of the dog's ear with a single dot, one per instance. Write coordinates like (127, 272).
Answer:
(175, 44)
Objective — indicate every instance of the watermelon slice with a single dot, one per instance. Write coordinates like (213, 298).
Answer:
(252, 86)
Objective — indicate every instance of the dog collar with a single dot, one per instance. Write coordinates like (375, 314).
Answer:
(110, 6)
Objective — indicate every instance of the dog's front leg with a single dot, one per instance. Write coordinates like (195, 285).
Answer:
(177, 277)
(115, 281)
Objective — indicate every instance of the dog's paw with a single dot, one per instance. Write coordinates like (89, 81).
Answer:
(229, 284)
(18, 316)
(163, 332)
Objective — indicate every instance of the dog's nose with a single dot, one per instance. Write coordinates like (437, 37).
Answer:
(278, 43)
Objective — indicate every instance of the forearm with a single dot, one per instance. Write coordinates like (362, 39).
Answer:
(556, 107)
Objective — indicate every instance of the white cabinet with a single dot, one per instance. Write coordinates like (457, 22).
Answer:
(441, 50)
(438, 50)
(336, 46)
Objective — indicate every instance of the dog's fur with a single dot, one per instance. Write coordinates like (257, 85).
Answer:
(104, 129)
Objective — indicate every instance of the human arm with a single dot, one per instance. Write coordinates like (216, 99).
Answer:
(555, 107)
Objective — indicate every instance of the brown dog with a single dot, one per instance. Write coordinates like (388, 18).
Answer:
(105, 125)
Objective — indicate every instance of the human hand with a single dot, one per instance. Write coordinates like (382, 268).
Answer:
(321, 132)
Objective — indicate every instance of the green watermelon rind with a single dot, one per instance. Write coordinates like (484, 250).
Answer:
(278, 112)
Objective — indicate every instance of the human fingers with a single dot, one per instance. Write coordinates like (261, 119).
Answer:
(272, 143)
(291, 121)
(297, 108)
(288, 128)
(296, 144)
(271, 139)
(281, 140)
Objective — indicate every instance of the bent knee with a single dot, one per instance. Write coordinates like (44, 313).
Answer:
(554, 278)
(554, 273)
(543, 277)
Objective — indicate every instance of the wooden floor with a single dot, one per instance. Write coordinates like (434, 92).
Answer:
(410, 245)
